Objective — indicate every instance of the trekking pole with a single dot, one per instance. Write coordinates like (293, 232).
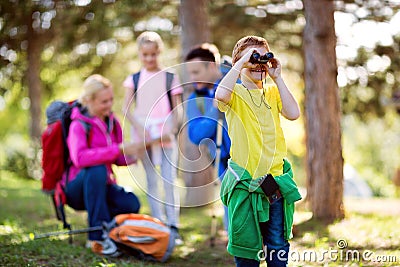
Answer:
(216, 175)
(33, 236)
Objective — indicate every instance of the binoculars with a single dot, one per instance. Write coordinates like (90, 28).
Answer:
(261, 59)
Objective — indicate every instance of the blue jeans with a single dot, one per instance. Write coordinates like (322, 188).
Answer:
(90, 191)
(273, 237)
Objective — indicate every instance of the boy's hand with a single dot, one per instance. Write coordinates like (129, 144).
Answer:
(274, 68)
(243, 62)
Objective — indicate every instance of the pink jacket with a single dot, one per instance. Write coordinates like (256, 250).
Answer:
(98, 147)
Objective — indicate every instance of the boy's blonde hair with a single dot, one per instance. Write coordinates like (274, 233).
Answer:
(92, 85)
(150, 37)
(245, 42)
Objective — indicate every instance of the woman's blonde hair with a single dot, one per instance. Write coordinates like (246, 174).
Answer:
(150, 37)
(245, 42)
(93, 84)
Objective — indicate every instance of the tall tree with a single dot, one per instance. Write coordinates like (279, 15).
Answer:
(195, 164)
(194, 23)
(30, 28)
(22, 31)
(36, 39)
(322, 107)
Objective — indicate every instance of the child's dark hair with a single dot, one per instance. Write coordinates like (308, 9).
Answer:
(204, 52)
(245, 42)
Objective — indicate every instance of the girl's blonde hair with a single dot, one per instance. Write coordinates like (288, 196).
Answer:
(245, 42)
(93, 84)
(150, 37)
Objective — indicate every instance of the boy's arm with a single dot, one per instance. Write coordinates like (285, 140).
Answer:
(290, 108)
(225, 87)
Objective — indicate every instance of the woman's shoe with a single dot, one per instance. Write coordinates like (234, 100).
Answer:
(106, 248)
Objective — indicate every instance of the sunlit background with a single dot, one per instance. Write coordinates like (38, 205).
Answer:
(84, 37)
(49, 47)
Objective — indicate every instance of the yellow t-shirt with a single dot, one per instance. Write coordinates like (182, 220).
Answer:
(258, 143)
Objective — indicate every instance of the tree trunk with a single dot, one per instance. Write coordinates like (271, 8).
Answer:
(193, 162)
(322, 109)
(34, 83)
(194, 24)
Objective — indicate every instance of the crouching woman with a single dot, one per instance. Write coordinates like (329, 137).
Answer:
(95, 143)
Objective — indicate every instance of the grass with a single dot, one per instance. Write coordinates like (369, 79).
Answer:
(369, 227)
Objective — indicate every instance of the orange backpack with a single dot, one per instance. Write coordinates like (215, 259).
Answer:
(142, 236)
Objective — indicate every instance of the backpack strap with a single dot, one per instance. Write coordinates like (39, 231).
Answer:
(199, 103)
(88, 131)
(135, 78)
(170, 78)
(111, 128)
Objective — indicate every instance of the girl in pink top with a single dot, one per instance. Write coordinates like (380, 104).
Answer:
(151, 118)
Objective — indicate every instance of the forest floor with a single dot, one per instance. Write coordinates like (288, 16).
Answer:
(367, 236)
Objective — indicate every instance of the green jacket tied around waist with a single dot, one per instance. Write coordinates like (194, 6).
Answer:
(248, 206)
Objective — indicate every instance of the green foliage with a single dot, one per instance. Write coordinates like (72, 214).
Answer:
(23, 160)
(17, 162)
(372, 148)
(76, 48)
(373, 74)
(371, 92)
(76, 40)
(236, 21)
